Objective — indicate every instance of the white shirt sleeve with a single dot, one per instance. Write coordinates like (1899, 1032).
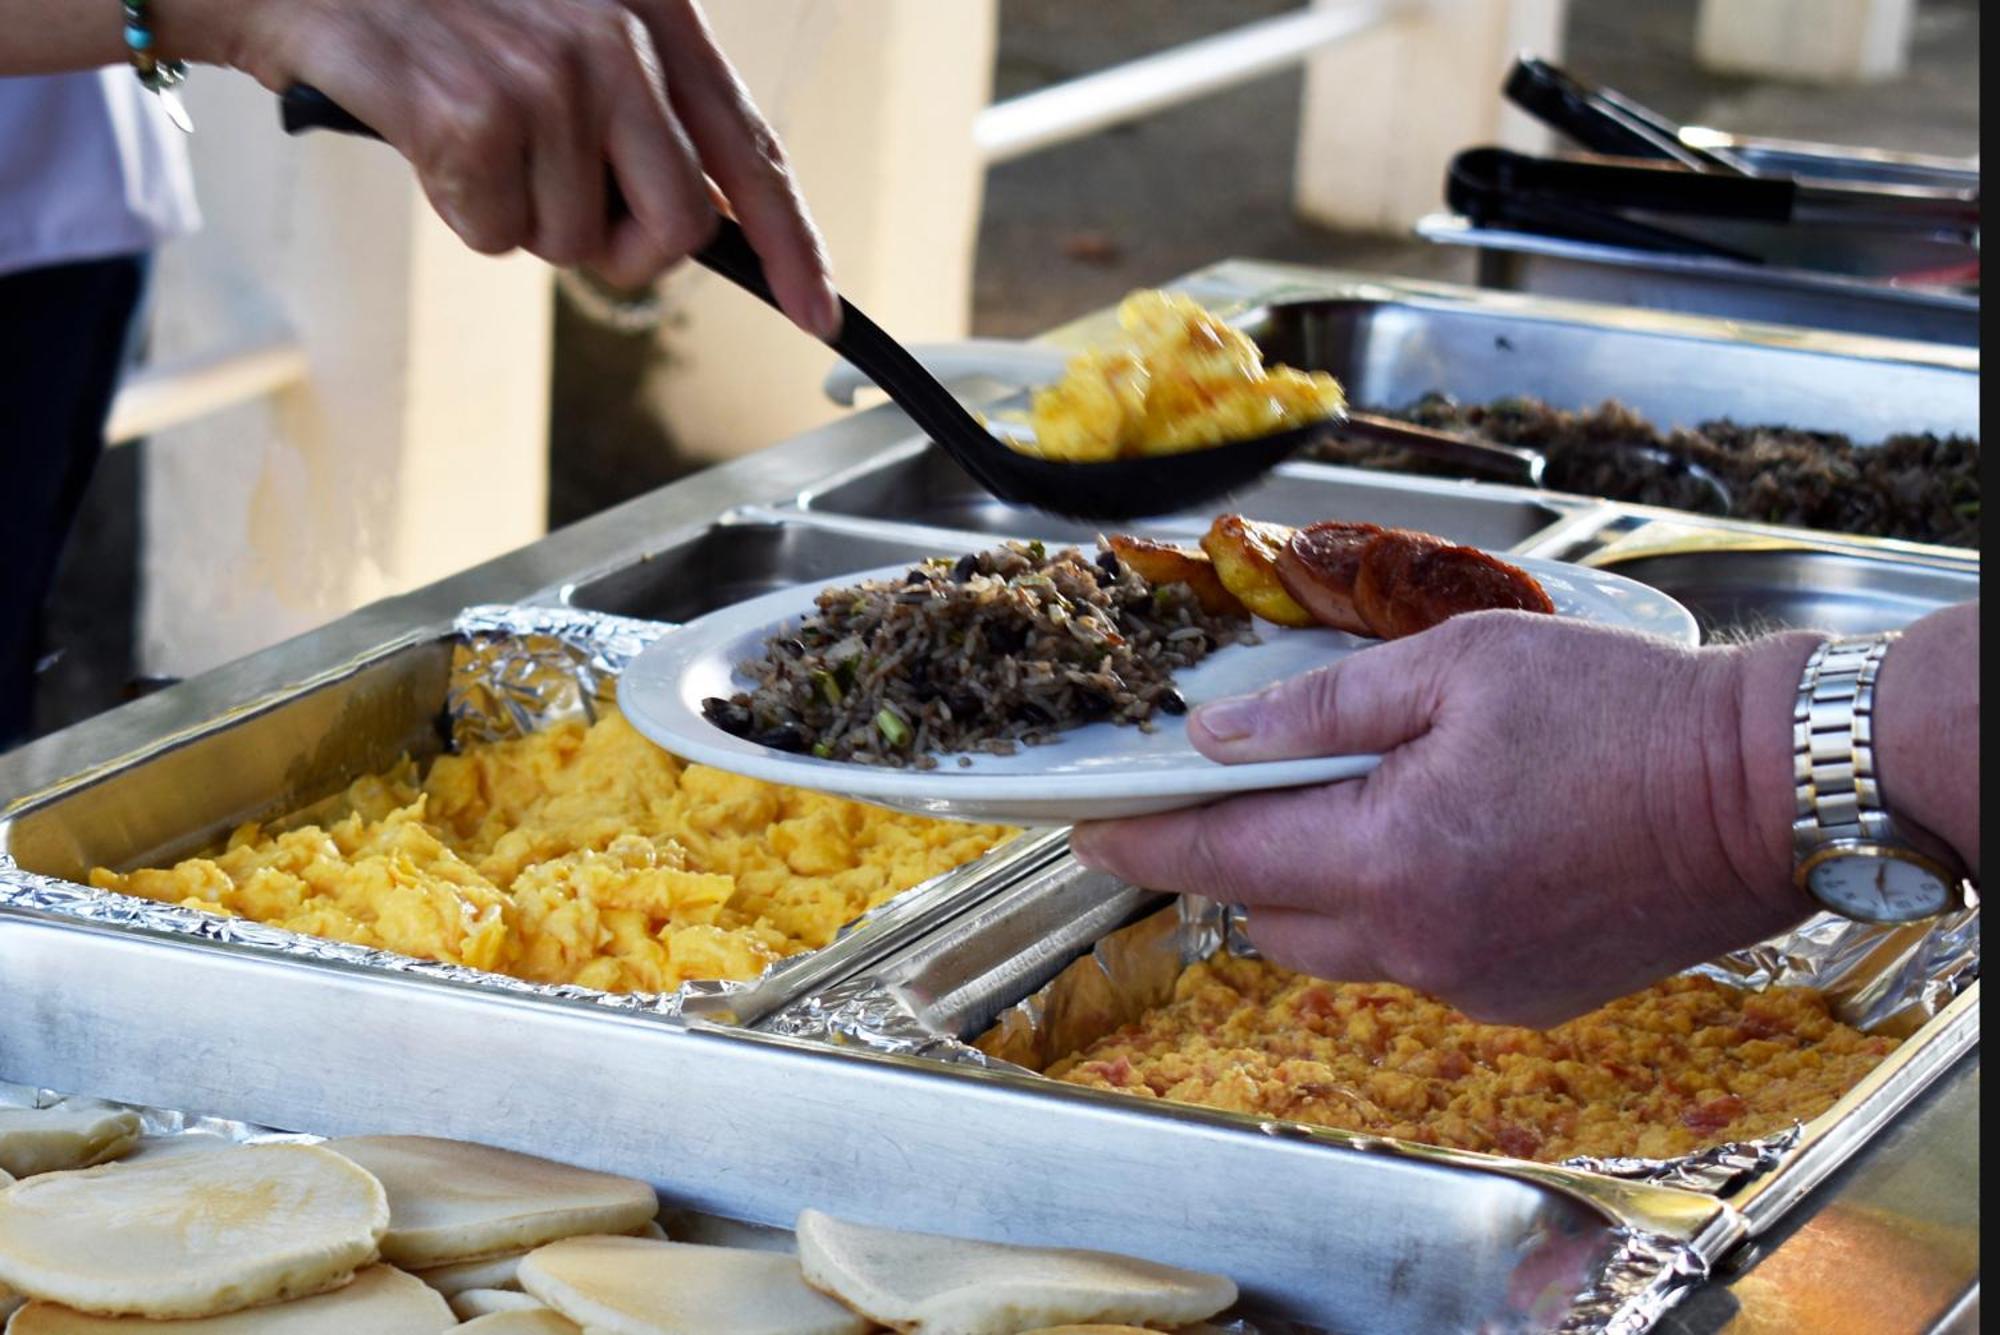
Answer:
(90, 167)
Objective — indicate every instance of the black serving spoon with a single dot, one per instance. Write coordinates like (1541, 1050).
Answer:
(1463, 453)
(1115, 489)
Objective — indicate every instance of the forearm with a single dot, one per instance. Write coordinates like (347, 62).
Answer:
(1926, 731)
(37, 37)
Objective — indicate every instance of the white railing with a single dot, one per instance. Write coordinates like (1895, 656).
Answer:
(171, 394)
(1127, 92)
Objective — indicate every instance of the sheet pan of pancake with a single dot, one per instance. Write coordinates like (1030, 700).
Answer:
(469, 1230)
(1710, 1080)
(471, 807)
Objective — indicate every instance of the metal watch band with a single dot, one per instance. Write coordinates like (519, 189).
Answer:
(1833, 746)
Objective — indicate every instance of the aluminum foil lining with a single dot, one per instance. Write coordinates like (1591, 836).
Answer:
(515, 669)
(1879, 979)
(157, 1124)
(1645, 1276)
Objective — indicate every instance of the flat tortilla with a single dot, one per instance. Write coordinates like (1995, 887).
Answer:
(923, 1284)
(51, 1140)
(451, 1201)
(194, 1236)
(541, 1321)
(631, 1286)
(381, 1301)
(475, 1303)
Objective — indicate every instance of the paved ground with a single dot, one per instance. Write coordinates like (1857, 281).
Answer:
(1078, 226)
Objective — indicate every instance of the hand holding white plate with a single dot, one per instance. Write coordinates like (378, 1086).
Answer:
(1094, 772)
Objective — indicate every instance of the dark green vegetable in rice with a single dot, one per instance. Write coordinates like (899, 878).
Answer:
(977, 654)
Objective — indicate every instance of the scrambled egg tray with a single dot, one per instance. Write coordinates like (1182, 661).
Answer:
(580, 854)
(1685, 1064)
(1183, 379)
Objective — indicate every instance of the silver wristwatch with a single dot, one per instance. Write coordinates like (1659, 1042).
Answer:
(1846, 852)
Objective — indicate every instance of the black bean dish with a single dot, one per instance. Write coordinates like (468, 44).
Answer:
(1917, 487)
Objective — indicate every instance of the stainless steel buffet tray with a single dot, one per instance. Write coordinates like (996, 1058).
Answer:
(495, 672)
(1349, 1236)
(753, 1127)
(1068, 955)
(1675, 372)
(1556, 266)
(1390, 347)
(1740, 584)
(917, 480)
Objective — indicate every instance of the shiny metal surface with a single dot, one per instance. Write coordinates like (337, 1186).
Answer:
(735, 561)
(265, 758)
(1740, 585)
(1590, 271)
(1888, 1245)
(1390, 353)
(921, 482)
(755, 1128)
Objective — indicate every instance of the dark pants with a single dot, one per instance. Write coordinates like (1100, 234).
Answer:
(63, 333)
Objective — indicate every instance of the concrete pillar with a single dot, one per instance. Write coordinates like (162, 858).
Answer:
(1816, 41)
(1384, 112)
(415, 447)
(875, 104)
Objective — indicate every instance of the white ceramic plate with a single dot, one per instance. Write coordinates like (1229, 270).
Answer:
(1094, 772)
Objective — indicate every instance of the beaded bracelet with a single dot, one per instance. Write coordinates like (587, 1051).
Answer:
(158, 75)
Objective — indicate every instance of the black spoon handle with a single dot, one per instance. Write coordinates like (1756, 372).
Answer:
(303, 107)
(1508, 463)
(730, 254)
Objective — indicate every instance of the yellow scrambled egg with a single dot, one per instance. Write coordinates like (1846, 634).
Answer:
(1183, 379)
(579, 854)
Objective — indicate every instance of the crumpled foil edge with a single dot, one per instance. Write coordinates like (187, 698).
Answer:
(155, 1123)
(1635, 1286)
(1883, 979)
(515, 669)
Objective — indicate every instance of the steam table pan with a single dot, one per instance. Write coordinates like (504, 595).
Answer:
(497, 672)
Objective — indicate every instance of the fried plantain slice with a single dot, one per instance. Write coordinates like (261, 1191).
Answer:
(1245, 553)
(1165, 563)
(1318, 567)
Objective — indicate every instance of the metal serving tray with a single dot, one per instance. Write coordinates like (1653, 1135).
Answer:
(1391, 347)
(936, 995)
(745, 555)
(1592, 271)
(301, 745)
(919, 481)
(754, 1128)
(1389, 353)
(1740, 585)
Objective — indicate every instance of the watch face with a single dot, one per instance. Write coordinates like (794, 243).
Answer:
(1878, 888)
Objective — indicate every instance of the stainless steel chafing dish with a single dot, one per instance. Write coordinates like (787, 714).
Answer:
(753, 1125)
(494, 673)
(1556, 266)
